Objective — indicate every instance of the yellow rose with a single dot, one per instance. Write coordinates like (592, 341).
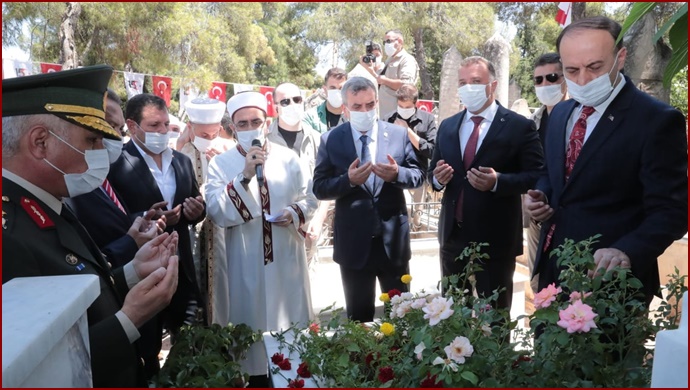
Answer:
(406, 278)
(387, 329)
(384, 298)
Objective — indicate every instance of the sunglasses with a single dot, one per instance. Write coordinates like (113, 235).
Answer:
(551, 77)
(389, 41)
(286, 102)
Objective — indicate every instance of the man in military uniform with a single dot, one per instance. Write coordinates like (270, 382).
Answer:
(53, 127)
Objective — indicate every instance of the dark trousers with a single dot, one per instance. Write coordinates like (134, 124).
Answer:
(497, 271)
(360, 285)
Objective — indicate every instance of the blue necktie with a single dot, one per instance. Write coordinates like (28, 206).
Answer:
(365, 157)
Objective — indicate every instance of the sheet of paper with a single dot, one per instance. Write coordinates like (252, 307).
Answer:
(274, 218)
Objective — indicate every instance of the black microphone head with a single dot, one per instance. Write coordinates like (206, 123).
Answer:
(256, 142)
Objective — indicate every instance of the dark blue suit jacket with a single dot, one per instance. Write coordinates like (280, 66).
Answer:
(511, 147)
(131, 177)
(106, 224)
(355, 207)
(629, 183)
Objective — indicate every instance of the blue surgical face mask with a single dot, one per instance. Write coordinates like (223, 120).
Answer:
(594, 92)
(155, 142)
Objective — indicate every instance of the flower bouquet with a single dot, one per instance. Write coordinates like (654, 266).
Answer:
(591, 332)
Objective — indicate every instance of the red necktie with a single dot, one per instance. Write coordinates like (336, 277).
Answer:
(109, 190)
(467, 157)
(577, 138)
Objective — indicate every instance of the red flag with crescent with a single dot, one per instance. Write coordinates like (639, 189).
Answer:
(50, 68)
(425, 105)
(268, 92)
(217, 91)
(162, 87)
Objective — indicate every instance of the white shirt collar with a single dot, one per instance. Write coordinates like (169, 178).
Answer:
(54, 203)
(488, 114)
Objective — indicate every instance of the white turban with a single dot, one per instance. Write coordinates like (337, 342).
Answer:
(246, 99)
(205, 111)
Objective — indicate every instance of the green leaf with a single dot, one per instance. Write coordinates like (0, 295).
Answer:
(563, 338)
(470, 377)
(637, 12)
(681, 11)
(678, 37)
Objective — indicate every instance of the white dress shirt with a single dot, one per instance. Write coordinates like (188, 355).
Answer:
(165, 177)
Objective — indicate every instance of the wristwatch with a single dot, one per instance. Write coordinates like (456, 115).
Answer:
(243, 179)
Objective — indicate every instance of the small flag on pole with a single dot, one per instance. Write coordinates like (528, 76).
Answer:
(564, 16)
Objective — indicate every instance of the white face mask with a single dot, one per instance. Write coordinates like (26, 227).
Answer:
(596, 91)
(155, 142)
(406, 113)
(87, 181)
(379, 59)
(363, 121)
(473, 96)
(245, 138)
(114, 148)
(549, 95)
(202, 144)
(335, 98)
(292, 114)
(174, 134)
(389, 48)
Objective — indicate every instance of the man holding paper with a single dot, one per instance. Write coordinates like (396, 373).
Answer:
(268, 282)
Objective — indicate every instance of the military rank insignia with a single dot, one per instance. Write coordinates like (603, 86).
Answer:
(71, 259)
(36, 213)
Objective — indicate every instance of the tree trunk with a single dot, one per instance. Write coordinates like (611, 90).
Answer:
(578, 11)
(68, 53)
(426, 91)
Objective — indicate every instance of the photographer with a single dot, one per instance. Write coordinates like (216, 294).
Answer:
(400, 68)
(374, 58)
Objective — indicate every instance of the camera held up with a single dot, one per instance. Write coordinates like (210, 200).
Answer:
(369, 58)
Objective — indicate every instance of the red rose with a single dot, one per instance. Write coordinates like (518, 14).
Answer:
(521, 358)
(277, 358)
(430, 381)
(297, 383)
(386, 374)
(285, 364)
(394, 292)
(303, 370)
(370, 358)
(314, 327)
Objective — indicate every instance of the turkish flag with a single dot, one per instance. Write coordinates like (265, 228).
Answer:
(162, 87)
(217, 91)
(268, 92)
(425, 105)
(564, 16)
(50, 68)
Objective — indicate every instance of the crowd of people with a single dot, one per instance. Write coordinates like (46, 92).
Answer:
(216, 220)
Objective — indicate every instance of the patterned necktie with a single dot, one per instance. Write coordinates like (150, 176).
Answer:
(365, 151)
(467, 157)
(577, 138)
(111, 193)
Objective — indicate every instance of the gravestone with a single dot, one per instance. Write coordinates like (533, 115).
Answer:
(670, 367)
(497, 50)
(449, 102)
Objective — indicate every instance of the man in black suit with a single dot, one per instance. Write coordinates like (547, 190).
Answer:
(485, 157)
(53, 126)
(616, 163)
(364, 165)
(150, 173)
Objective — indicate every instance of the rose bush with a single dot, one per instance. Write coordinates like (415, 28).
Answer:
(591, 332)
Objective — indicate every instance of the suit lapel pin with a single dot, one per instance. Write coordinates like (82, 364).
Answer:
(385, 134)
(503, 119)
(611, 118)
(71, 259)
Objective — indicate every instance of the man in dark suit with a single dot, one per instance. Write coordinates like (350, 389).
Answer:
(364, 165)
(485, 157)
(616, 163)
(150, 173)
(53, 126)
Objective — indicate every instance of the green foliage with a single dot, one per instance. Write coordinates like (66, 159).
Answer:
(207, 356)
(458, 340)
(679, 91)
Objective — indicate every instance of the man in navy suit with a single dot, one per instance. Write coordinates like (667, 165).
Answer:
(485, 157)
(150, 173)
(629, 180)
(365, 164)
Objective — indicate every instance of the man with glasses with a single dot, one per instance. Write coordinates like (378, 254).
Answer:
(551, 89)
(400, 68)
(150, 173)
(268, 282)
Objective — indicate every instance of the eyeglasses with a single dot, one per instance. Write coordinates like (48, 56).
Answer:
(551, 77)
(286, 102)
(389, 41)
(253, 124)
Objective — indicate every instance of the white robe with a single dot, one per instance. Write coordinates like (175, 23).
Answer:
(275, 295)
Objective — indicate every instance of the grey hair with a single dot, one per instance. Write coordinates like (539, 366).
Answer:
(14, 127)
(355, 85)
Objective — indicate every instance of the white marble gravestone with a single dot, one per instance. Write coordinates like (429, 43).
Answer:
(45, 339)
(671, 354)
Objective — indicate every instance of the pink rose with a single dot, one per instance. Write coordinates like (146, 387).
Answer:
(578, 317)
(577, 296)
(546, 296)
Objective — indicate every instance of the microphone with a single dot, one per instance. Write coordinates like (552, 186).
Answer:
(259, 167)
